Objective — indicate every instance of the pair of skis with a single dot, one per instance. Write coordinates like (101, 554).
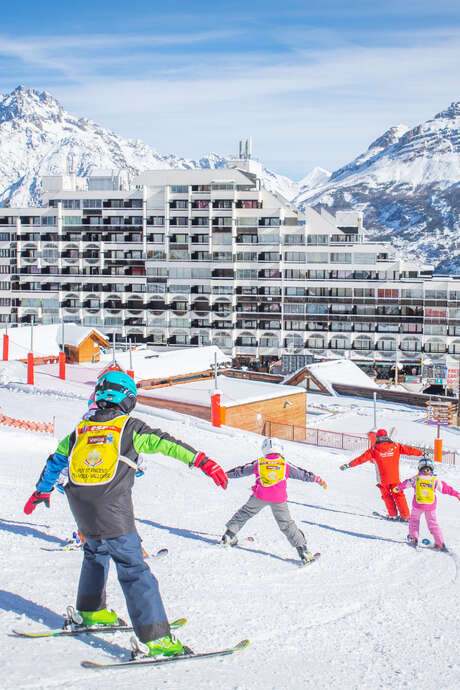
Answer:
(76, 630)
(72, 546)
(381, 516)
(426, 544)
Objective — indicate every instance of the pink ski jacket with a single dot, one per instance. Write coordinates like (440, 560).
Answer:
(439, 487)
(277, 493)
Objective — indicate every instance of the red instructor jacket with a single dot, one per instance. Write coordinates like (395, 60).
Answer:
(385, 455)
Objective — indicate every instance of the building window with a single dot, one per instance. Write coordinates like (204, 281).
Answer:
(340, 258)
(291, 325)
(362, 258)
(317, 239)
(298, 257)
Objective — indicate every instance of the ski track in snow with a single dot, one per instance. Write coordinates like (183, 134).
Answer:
(371, 613)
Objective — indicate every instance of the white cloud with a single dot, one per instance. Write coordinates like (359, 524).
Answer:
(304, 106)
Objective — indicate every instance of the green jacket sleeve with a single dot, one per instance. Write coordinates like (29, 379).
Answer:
(147, 440)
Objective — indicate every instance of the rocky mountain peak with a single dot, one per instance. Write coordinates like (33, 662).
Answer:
(451, 113)
(390, 137)
(30, 105)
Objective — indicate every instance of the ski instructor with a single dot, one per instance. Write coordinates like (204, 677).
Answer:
(101, 455)
(385, 455)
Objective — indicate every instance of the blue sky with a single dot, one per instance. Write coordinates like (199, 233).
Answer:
(312, 82)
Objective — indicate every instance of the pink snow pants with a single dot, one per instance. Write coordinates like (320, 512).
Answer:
(431, 521)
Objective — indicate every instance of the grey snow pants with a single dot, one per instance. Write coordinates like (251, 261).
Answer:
(280, 512)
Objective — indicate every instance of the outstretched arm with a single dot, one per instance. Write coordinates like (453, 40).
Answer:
(305, 476)
(403, 485)
(241, 470)
(54, 465)
(409, 450)
(299, 473)
(148, 440)
(444, 488)
(367, 456)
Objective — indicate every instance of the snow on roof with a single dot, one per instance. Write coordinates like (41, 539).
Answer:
(46, 339)
(159, 365)
(233, 391)
(340, 371)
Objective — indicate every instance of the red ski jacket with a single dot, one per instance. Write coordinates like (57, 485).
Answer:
(385, 455)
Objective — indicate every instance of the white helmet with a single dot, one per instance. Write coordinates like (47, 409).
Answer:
(272, 446)
(426, 462)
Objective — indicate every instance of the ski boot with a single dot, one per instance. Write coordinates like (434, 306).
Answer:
(161, 647)
(305, 555)
(441, 547)
(412, 541)
(403, 519)
(102, 617)
(229, 539)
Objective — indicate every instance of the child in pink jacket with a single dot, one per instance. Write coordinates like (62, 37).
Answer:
(426, 485)
(271, 472)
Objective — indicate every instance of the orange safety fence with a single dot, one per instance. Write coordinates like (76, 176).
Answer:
(43, 427)
(315, 437)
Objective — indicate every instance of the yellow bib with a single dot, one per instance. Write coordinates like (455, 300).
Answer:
(271, 471)
(95, 455)
(424, 489)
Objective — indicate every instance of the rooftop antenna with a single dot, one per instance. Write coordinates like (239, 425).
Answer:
(70, 163)
(249, 147)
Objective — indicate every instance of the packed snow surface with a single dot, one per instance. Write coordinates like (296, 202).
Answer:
(371, 613)
(156, 365)
(45, 340)
(233, 391)
(341, 371)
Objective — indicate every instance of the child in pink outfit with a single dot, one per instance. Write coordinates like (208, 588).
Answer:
(424, 502)
(271, 473)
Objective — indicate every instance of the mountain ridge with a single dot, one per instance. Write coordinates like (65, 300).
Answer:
(407, 182)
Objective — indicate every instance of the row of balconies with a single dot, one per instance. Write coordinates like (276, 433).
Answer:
(221, 204)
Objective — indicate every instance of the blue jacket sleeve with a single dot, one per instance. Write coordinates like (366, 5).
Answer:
(53, 468)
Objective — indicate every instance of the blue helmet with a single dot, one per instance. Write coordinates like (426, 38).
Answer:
(115, 388)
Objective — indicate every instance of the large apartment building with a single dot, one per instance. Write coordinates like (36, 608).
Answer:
(195, 257)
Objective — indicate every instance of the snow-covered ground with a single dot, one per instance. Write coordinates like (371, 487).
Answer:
(371, 613)
(356, 415)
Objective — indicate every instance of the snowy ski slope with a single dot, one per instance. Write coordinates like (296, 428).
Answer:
(371, 613)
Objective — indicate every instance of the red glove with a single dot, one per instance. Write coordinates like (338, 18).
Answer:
(212, 469)
(36, 498)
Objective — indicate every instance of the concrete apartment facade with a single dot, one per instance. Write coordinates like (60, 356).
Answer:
(196, 257)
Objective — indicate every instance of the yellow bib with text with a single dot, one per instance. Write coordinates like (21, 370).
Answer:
(95, 455)
(424, 489)
(271, 470)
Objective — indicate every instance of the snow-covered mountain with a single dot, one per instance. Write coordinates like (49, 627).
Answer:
(408, 185)
(37, 137)
(407, 182)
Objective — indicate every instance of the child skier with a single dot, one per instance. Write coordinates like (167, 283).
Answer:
(424, 501)
(102, 454)
(271, 472)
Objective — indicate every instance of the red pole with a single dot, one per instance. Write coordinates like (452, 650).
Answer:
(6, 342)
(62, 365)
(30, 369)
(215, 409)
